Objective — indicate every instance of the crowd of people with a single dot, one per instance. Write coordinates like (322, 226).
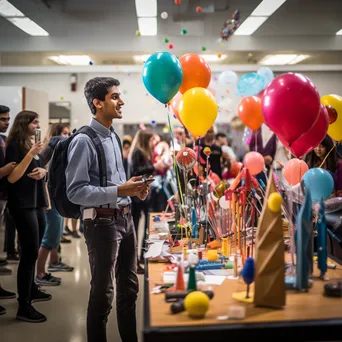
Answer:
(111, 213)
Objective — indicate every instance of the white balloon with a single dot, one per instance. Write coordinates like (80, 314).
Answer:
(224, 204)
(164, 15)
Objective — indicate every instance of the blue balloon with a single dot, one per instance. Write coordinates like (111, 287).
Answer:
(267, 74)
(248, 271)
(162, 76)
(250, 84)
(319, 182)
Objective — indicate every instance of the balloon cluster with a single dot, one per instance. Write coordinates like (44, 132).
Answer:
(292, 110)
(231, 25)
(182, 84)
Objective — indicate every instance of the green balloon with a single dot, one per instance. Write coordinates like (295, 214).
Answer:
(204, 48)
(166, 40)
(184, 31)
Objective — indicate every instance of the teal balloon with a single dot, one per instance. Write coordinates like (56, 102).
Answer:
(162, 76)
(267, 74)
(250, 84)
(319, 182)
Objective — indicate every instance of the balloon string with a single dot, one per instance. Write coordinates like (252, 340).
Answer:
(327, 155)
(174, 160)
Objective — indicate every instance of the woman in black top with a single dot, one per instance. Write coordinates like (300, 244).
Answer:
(27, 201)
(140, 161)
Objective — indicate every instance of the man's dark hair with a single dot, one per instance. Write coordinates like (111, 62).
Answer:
(97, 88)
(4, 109)
(220, 135)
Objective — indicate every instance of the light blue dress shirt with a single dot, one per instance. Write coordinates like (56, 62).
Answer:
(82, 173)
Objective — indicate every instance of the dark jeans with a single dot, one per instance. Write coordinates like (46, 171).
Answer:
(30, 224)
(139, 206)
(9, 233)
(112, 248)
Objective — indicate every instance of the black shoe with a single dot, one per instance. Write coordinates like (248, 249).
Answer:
(13, 257)
(67, 231)
(29, 314)
(2, 310)
(6, 294)
(40, 296)
(75, 235)
(64, 240)
(3, 262)
(5, 271)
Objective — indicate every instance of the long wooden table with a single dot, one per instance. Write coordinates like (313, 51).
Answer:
(307, 316)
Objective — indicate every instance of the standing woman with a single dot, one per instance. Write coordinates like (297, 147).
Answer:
(27, 202)
(325, 156)
(140, 161)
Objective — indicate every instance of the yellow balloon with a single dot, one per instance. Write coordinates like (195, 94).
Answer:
(197, 111)
(335, 129)
(274, 202)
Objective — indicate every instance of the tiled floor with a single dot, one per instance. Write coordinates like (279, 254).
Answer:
(66, 312)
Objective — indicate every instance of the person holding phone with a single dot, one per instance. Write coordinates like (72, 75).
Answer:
(27, 202)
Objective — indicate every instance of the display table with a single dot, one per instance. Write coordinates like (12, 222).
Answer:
(307, 316)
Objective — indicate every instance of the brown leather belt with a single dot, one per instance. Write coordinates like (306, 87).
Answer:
(112, 212)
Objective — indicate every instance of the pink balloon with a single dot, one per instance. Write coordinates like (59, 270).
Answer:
(309, 140)
(175, 104)
(294, 170)
(291, 105)
(254, 162)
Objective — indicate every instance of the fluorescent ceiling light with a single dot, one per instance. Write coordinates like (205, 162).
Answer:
(28, 26)
(214, 58)
(8, 10)
(146, 8)
(147, 26)
(283, 59)
(70, 60)
(299, 59)
(339, 33)
(250, 25)
(267, 8)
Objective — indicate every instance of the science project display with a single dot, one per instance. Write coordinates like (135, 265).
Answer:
(254, 227)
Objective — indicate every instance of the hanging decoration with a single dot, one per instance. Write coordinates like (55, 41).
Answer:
(231, 25)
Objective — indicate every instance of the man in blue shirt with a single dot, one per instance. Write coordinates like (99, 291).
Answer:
(108, 224)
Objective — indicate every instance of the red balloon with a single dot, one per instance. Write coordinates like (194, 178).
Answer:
(178, 2)
(198, 9)
(291, 106)
(332, 114)
(171, 46)
(309, 140)
(236, 168)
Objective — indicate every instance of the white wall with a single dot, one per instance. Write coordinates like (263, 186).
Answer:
(139, 107)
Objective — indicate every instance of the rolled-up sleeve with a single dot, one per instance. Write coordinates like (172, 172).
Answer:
(81, 156)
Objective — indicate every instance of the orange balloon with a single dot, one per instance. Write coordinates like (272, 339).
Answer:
(250, 112)
(196, 72)
(294, 170)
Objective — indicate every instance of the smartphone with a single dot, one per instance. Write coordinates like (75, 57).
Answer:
(149, 181)
(38, 136)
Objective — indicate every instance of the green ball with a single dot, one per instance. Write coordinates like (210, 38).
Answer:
(166, 40)
(184, 31)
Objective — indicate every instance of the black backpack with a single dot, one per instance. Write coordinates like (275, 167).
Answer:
(58, 165)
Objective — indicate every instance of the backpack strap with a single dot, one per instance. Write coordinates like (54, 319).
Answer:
(100, 152)
(119, 141)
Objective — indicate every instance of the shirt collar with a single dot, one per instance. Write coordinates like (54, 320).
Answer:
(100, 128)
